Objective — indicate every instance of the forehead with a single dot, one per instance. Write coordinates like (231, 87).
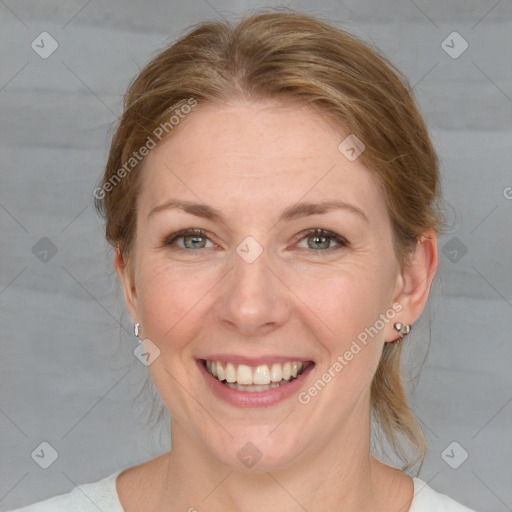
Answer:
(253, 154)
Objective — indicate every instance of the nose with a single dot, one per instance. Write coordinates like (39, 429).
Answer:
(253, 300)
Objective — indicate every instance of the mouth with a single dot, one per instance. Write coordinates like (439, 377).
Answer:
(255, 385)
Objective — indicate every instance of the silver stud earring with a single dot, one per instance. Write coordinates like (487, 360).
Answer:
(136, 330)
(402, 329)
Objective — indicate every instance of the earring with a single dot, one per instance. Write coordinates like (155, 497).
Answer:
(402, 329)
(136, 330)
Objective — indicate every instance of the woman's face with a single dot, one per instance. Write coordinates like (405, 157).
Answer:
(257, 291)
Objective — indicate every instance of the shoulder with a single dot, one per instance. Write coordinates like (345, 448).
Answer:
(426, 499)
(88, 497)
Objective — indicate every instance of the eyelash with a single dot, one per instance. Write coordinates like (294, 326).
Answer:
(342, 242)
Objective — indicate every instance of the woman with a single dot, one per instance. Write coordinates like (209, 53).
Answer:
(271, 194)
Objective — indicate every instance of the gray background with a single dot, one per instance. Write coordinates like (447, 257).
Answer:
(68, 374)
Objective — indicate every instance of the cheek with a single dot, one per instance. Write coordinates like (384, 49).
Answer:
(349, 305)
(171, 312)
(346, 300)
(336, 303)
(170, 298)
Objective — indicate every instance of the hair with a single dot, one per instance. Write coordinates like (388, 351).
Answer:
(290, 56)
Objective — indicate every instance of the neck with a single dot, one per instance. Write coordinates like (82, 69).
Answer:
(340, 475)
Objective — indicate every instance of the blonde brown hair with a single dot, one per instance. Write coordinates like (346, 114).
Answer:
(292, 56)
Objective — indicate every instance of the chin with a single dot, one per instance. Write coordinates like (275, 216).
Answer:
(259, 451)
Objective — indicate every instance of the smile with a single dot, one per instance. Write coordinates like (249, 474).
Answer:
(263, 377)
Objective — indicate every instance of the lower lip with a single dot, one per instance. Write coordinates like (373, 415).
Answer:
(254, 398)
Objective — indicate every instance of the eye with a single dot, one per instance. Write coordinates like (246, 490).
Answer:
(192, 239)
(197, 239)
(321, 240)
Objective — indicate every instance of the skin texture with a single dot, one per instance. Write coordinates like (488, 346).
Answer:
(251, 161)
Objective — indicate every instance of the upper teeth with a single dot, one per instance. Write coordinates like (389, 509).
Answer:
(262, 374)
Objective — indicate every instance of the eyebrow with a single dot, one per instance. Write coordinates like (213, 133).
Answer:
(292, 212)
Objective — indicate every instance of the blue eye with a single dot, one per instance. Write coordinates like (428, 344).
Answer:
(322, 240)
(192, 238)
(195, 239)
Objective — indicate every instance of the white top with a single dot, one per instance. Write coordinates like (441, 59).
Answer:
(102, 495)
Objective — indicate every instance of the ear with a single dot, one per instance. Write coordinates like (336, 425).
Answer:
(127, 281)
(415, 279)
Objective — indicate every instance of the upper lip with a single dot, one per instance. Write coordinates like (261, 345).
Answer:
(253, 361)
